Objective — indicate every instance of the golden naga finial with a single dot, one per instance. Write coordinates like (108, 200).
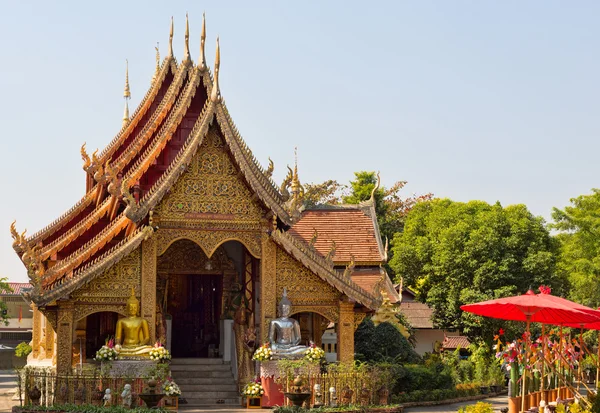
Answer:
(15, 235)
(286, 184)
(270, 169)
(86, 158)
(171, 39)
(331, 252)
(186, 50)
(202, 64)
(376, 187)
(214, 96)
(314, 238)
(295, 180)
(157, 69)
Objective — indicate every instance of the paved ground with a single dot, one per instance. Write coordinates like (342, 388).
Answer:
(498, 402)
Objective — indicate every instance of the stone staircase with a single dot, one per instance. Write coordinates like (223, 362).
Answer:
(205, 382)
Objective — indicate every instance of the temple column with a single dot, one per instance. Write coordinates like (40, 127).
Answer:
(268, 285)
(36, 332)
(49, 340)
(148, 293)
(345, 332)
(64, 333)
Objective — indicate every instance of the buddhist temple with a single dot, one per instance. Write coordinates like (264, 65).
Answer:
(178, 209)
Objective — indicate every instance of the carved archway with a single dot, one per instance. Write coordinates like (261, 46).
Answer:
(210, 240)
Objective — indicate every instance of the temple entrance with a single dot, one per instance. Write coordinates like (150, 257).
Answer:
(193, 297)
(93, 331)
(195, 309)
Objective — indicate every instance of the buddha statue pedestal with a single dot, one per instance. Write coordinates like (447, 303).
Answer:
(131, 368)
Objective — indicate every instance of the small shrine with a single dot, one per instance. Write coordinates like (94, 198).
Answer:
(183, 241)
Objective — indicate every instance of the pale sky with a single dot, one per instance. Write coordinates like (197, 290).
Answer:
(465, 99)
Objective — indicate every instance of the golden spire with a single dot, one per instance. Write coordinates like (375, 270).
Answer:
(186, 52)
(126, 95)
(171, 39)
(215, 90)
(202, 64)
(127, 92)
(157, 69)
(295, 180)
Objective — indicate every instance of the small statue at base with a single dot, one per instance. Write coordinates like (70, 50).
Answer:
(126, 396)
(318, 396)
(132, 332)
(107, 398)
(284, 333)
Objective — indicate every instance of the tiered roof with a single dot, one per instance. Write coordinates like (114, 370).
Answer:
(133, 173)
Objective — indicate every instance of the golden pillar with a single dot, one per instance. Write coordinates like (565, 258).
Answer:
(64, 333)
(148, 293)
(268, 285)
(36, 333)
(49, 340)
(345, 332)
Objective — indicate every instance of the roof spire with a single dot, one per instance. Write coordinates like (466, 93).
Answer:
(295, 180)
(157, 69)
(126, 94)
(214, 96)
(186, 53)
(171, 39)
(202, 42)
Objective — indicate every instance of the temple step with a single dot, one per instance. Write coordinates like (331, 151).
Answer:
(205, 382)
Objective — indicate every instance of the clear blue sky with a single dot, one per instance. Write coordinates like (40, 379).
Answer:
(468, 100)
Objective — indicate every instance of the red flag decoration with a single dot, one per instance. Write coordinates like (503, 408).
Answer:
(20, 313)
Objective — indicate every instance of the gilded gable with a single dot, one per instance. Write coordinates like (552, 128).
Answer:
(303, 286)
(114, 284)
(211, 189)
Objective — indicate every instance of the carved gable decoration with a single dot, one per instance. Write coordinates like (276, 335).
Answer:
(303, 286)
(114, 284)
(186, 257)
(211, 189)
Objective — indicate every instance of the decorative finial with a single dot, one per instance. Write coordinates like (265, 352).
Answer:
(202, 64)
(376, 187)
(171, 39)
(126, 95)
(157, 69)
(295, 180)
(215, 90)
(127, 92)
(186, 51)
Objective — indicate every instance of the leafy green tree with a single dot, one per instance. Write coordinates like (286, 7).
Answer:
(453, 253)
(5, 287)
(579, 226)
(325, 193)
(383, 343)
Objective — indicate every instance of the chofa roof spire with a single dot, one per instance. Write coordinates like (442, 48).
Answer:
(126, 94)
(215, 90)
(202, 63)
(157, 69)
(295, 179)
(170, 54)
(186, 51)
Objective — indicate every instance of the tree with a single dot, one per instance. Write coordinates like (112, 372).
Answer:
(4, 287)
(383, 343)
(579, 237)
(325, 193)
(453, 253)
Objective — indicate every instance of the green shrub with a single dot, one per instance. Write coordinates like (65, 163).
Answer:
(421, 377)
(23, 349)
(382, 343)
(88, 408)
(480, 407)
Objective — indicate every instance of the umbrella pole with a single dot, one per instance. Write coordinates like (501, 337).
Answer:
(598, 365)
(579, 371)
(561, 370)
(524, 379)
(543, 361)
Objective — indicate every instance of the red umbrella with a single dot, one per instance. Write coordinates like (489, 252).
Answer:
(539, 308)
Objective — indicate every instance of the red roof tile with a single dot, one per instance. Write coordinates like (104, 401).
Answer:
(352, 230)
(453, 342)
(18, 288)
(417, 314)
(366, 279)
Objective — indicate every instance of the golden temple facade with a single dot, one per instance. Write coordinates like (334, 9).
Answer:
(178, 208)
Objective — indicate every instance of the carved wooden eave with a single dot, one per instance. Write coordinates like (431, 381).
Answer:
(323, 268)
(124, 159)
(258, 179)
(91, 270)
(169, 64)
(115, 227)
(368, 208)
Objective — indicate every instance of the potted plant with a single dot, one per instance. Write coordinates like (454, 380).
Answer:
(253, 392)
(172, 393)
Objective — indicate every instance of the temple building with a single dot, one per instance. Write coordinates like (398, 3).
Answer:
(178, 209)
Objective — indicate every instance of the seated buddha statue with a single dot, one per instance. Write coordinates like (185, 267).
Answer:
(132, 333)
(284, 332)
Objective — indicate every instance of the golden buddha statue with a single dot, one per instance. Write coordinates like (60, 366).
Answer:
(132, 333)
